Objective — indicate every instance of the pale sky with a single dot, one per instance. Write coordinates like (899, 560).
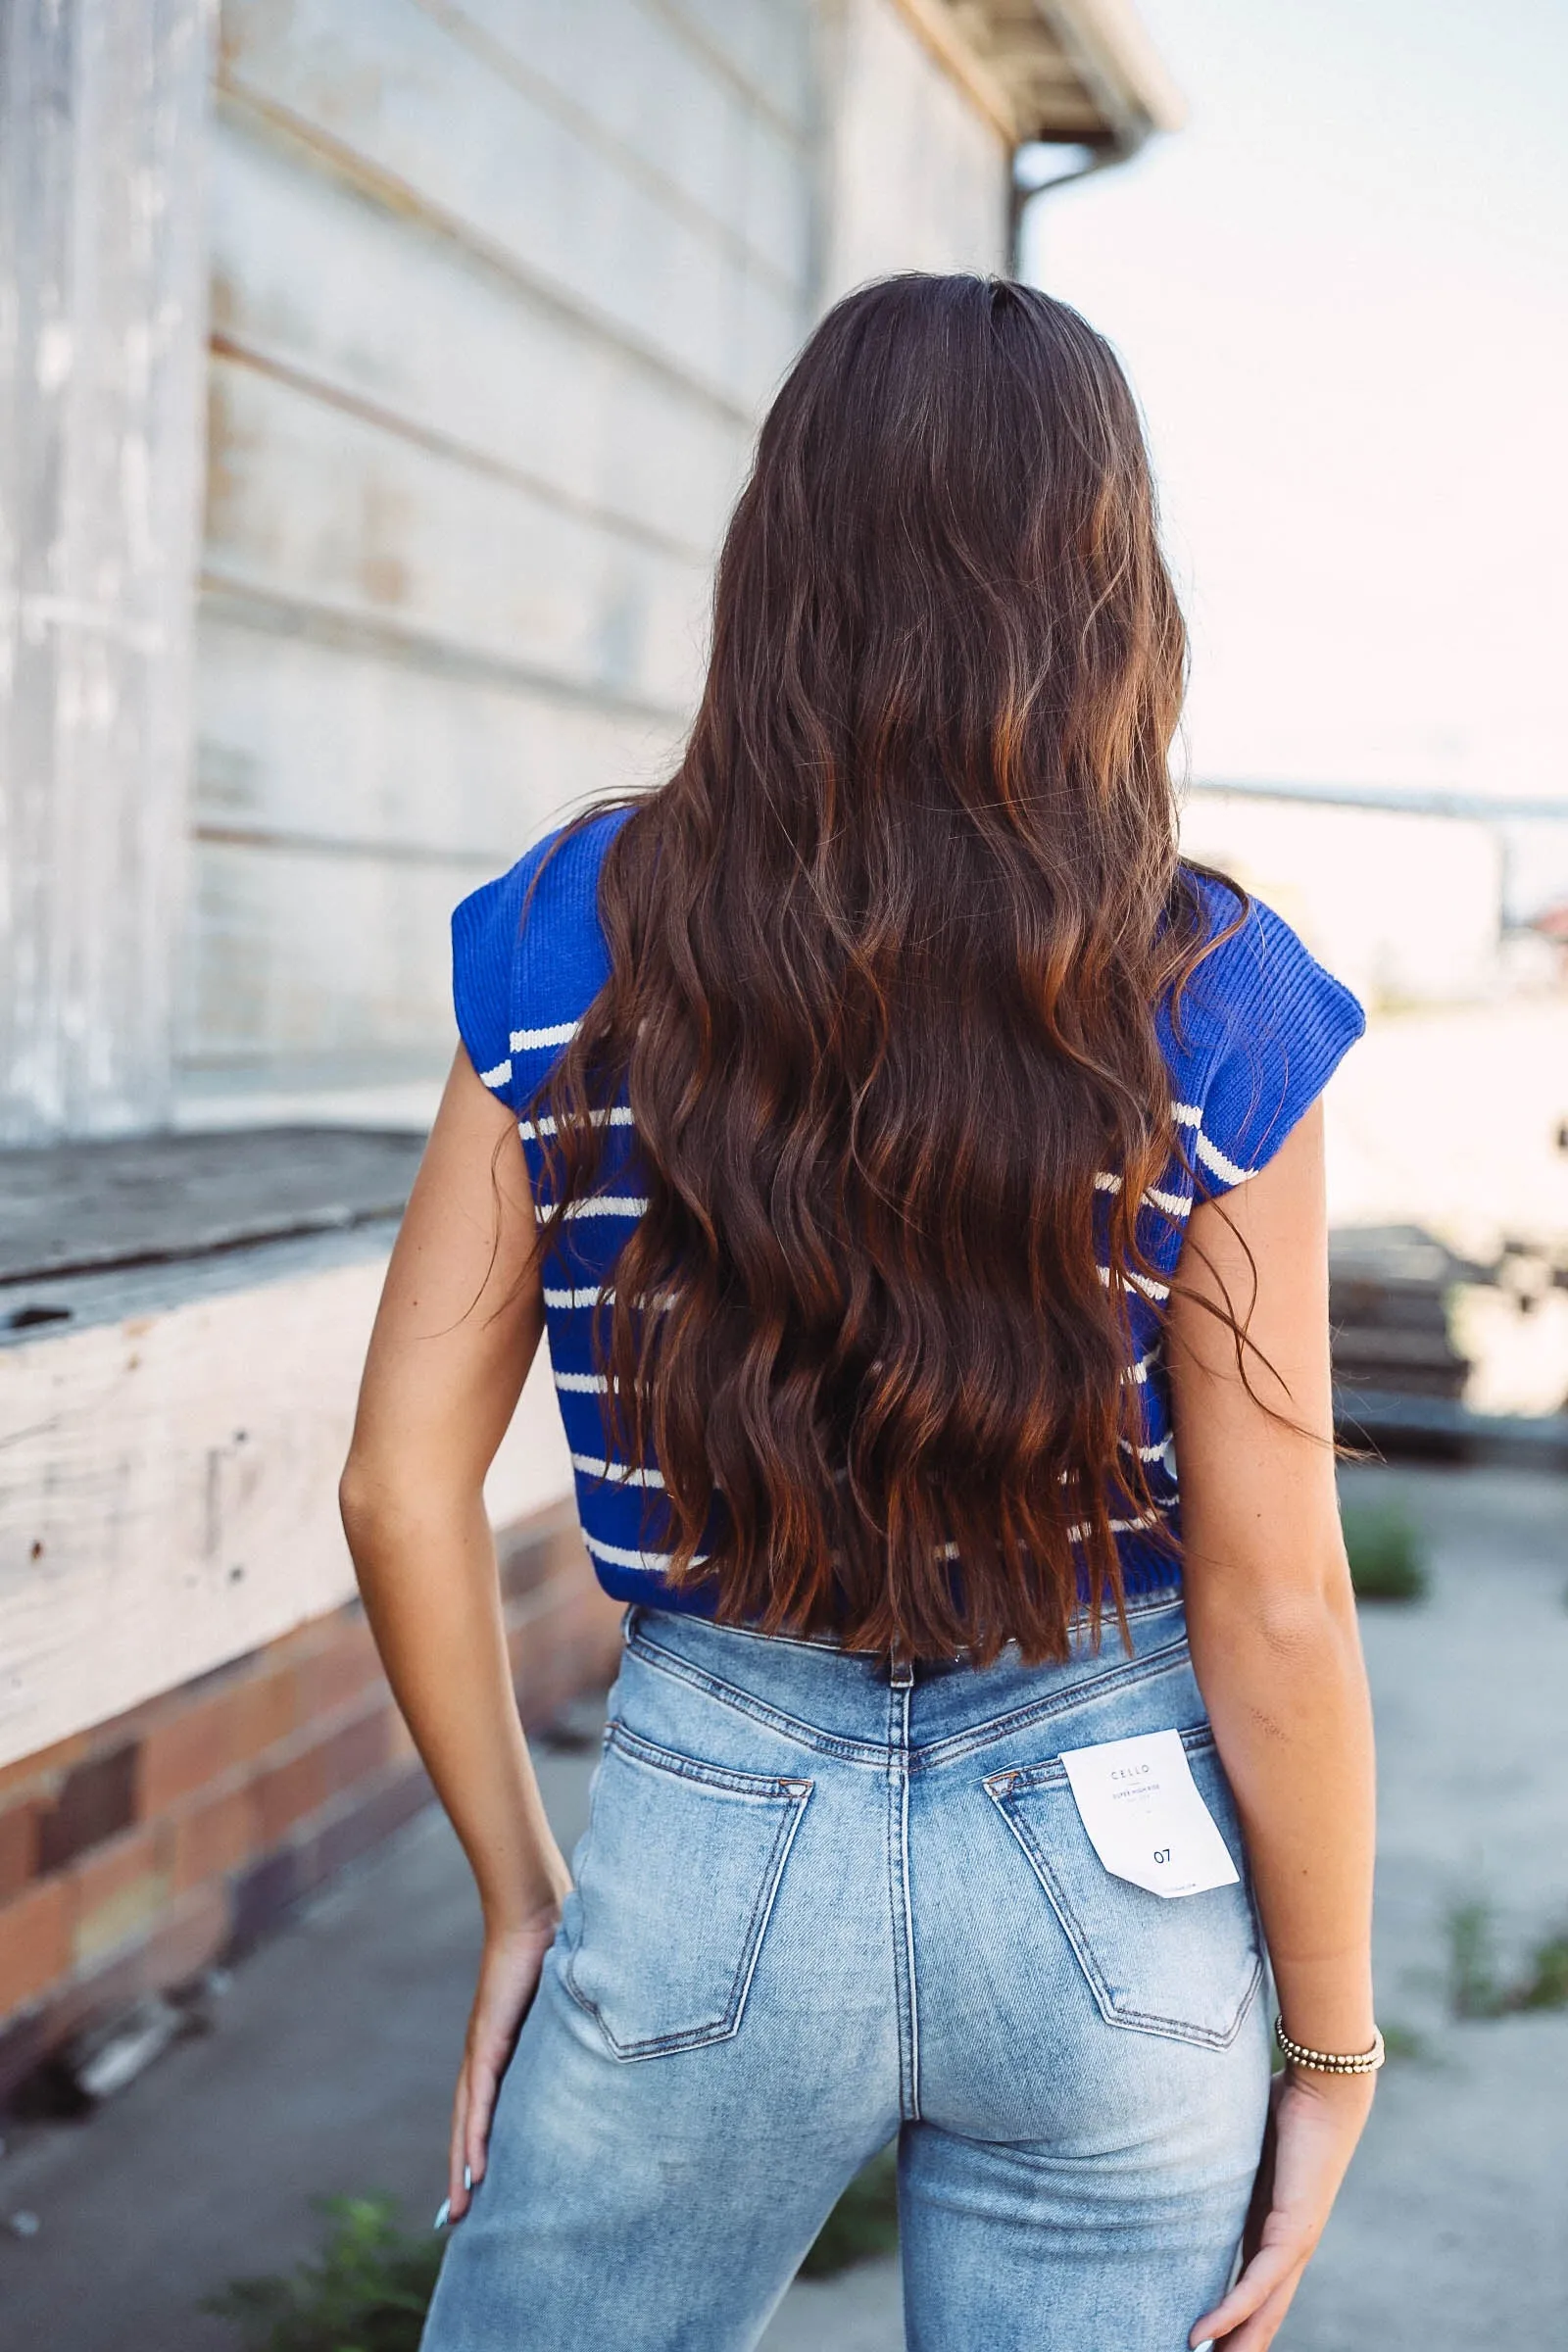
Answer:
(1341, 293)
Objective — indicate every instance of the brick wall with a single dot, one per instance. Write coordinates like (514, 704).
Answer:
(135, 1854)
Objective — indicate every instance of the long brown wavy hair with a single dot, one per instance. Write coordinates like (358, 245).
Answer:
(886, 951)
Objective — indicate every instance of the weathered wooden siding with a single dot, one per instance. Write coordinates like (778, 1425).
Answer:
(916, 170)
(498, 290)
(170, 1497)
(101, 301)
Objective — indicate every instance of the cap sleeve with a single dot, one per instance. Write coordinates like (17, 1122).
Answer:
(485, 931)
(519, 987)
(1275, 1027)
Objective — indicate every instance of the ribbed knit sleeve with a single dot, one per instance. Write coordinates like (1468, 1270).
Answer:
(1264, 1031)
(528, 957)
(484, 955)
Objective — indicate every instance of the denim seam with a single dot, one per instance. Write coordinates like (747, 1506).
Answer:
(898, 1853)
(742, 1702)
(1116, 1679)
(656, 2045)
(764, 1786)
(1143, 1604)
(1137, 2021)
(1197, 1739)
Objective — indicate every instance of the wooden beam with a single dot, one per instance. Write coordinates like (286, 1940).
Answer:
(934, 23)
(169, 1499)
(103, 109)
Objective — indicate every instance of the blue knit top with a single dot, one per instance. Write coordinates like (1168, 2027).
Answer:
(1261, 1030)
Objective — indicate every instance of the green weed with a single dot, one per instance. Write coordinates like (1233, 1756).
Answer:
(1546, 1984)
(1476, 1988)
(863, 2222)
(370, 2288)
(368, 2291)
(1387, 1551)
(1473, 1987)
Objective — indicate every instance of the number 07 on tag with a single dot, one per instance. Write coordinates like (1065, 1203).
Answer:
(1146, 1817)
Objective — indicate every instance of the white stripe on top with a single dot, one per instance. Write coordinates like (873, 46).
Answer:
(529, 1041)
(619, 1474)
(1076, 1533)
(656, 1563)
(1188, 1114)
(618, 1116)
(587, 1296)
(1141, 1282)
(1175, 1205)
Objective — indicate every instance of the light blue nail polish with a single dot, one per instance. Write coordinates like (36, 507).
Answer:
(468, 2178)
(443, 2214)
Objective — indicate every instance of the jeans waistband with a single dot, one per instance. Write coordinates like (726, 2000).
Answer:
(842, 1695)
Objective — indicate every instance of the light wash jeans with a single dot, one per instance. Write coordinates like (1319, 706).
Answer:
(822, 1902)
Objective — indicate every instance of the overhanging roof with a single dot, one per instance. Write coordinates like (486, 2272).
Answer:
(1083, 71)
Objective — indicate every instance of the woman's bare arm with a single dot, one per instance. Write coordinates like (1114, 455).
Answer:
(456, 1330)
(1272, 1621)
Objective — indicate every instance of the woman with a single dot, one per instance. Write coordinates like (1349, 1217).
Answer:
(910, 1145)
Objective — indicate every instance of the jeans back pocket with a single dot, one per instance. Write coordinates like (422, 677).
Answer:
(676, 1878)
(1184, 1966)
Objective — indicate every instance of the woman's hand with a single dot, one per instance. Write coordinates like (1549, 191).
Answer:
(509, 1976)
(1314, 2123)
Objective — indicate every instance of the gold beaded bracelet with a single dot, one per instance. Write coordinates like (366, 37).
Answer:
(1325, 2062)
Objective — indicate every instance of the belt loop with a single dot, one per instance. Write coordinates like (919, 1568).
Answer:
(901, 1671)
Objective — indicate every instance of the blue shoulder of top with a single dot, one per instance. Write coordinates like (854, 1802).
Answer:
(529, 953)
(1251, 1041)
(1253, 1038)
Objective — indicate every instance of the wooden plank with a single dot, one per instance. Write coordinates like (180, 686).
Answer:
(628, 75)
(307, 275)
(380, 80)
(918, 174)
(306, 740)
(299, 955)
(319, 504)
(69, 1207)
(973, 68)
(102, 280)
(764, 45)
(170, 1491)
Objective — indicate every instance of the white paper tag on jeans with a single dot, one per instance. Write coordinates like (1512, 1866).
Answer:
(1146, 1819)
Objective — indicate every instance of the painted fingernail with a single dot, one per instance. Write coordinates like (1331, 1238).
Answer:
(468, 2178)
(443, 2214)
